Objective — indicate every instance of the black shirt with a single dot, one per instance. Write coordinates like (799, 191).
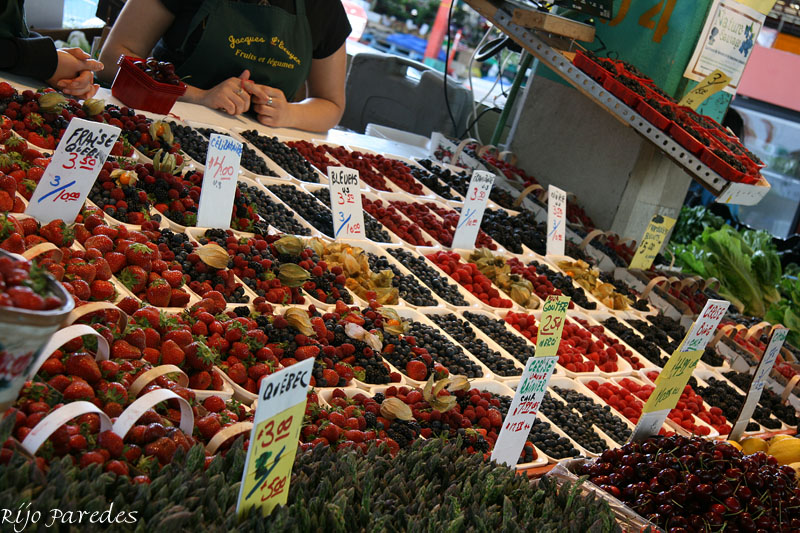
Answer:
(23, 52)
(327, 19)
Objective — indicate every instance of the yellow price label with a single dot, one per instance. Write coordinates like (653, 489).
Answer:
(712, 84)
(551, 325)
(653, 238)
(271, 456)
(672, 380)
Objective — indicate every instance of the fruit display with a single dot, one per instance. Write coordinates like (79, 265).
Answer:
(149, 393)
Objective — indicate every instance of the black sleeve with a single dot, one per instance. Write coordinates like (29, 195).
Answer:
(34, 56)
(173, 6)
(329, 26)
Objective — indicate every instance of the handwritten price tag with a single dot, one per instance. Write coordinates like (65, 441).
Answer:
(556, 220)
(712, 84)
(522, 413)
(759, 380)
(219, 182)
(348, 216)
(704, 327)
(72, 171)
(651, 242)
(469, 223)
(274, 437)
(551, 325)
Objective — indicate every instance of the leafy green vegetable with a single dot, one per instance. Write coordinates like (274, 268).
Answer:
(691, 223)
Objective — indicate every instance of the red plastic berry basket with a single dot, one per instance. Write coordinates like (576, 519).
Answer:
(622, 92)
(722, 168)
(136, 89)
(653, 116)
(591, 68)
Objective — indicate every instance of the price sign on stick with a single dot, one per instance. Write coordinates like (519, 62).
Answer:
(522, 413)
(651, 242)
(219, 182)
(72, 171)
(469, 223)
(348, 216)
(759, 380)
(551, 325)
(676, 373)
(274, 437)
(556, 220)
(713, 83)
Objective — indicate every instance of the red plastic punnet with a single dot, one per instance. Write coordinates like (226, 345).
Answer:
(136, 89)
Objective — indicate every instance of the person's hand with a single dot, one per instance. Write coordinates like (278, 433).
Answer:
(270, 105)
(74, 73)
(228, 96)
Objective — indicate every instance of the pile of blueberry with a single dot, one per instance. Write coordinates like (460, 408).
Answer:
(372, 228)
(306, 206)
(573, 424)
(769, 399)
(644, 346)
(598, 415)
(443, 351)
(720, 394)
(271, 211)
(288, 158)
(411, 290)
(427, 275)
(496, 330)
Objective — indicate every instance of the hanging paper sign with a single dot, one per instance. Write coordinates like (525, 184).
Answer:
(711, 84)
(348, 216)
(759, 380)
(469, 223)
(556, 220)
(219, 182)
(72, 171)
(522, 413)
(653, 238)
(274, 438)
(551, 325)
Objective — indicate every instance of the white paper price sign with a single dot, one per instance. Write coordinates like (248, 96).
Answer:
(522, 413)
(759, 379)
(274, 438)
(556, 220)
(348, 216)
(469, 223)
(72, 171)
(705, 325)
(219, 182)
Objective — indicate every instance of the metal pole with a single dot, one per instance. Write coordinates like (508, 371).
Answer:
(524, 65)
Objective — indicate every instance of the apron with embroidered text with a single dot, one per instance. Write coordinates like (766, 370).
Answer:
(273, 44)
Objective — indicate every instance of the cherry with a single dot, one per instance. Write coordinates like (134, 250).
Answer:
(723, 490)
(733, 504)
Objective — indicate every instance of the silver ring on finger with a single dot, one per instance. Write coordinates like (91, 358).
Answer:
(238, 91)
(269, 101)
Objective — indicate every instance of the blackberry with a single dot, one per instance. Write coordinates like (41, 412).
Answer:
(623, 288)
(192, 142)
(419, 267)
(655, 335)
(642, 345)
(409, 288)
(769, 399)
(372, 228)
(496, 330)
(379, 397)
(720, 394)
(403, 432)
(463, 333)
(284, 156)
(444, 351)
(598, 415)
(573, 424)
(565, 284)
(458, 181)
(429, 177)
(250, 159)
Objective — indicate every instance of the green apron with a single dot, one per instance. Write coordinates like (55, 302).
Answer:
(12, 20)
(273, 44)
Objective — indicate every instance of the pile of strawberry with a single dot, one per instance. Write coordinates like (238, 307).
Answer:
(579, 351)
(691, 403)
(600, 332)
(39, 117)
(116, 193)
(133, 257)
(680, 415)
(469, 277)
(25, 286)
(390, 217)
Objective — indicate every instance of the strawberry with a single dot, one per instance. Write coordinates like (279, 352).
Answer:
(163, 449)
(8, 184)
(84, 366)
(140, 255)
(330, 432)
(121, 349)
(200, 381)
(181, 337)
(129, 304)
(306, 352)
(214, 404)
(92, 457)
(116, 261)
(238, 373)
(6, 201)
(171, 353)
(178, 298)
(78, 390)
(81, 233)
(14, 244)
(134, 278)
(52, 367)
(101, 242)
(117, 467)
(80, 269)
(417, 370)
(111, 442)
(102, 268)
(58, 233)
(102, 290)
(209, 425)
(200, 357)
(173, 277)
(159, 293)
(330, 377)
